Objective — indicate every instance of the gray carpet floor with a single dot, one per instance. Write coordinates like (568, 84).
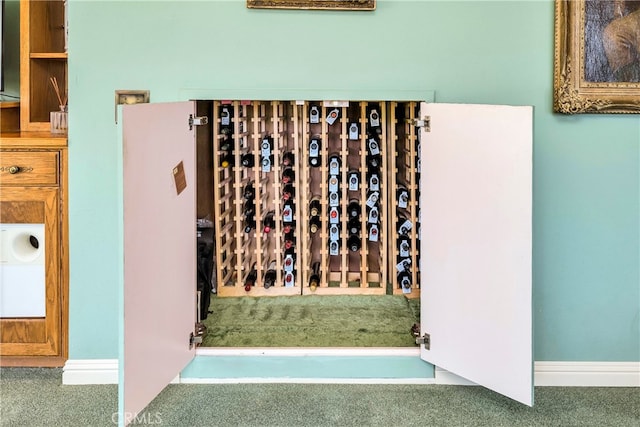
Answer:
(36, 397)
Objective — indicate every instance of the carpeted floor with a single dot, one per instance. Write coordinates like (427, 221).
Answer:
(312, 321)
(35, 397)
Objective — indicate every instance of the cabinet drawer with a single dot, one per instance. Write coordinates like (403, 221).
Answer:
(29, 167)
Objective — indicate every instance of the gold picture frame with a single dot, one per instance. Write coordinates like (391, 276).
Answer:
(596, 69)
(313, 4)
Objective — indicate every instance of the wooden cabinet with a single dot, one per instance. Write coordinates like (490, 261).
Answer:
(42, 56)
(33, 171)
(33, 191)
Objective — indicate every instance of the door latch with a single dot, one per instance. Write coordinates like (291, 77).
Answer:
(196, 337)
(425, 123)
(197, 121)
(424, 340)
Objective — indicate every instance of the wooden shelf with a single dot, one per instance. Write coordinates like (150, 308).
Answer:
(42, 56)
(10, 113)
(49, 55)
(32, 139)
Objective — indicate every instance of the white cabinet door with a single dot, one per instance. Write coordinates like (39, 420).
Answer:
(159, 251)
(475, 263)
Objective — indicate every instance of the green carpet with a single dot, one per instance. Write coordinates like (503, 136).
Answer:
(312, 321)
(36, 398)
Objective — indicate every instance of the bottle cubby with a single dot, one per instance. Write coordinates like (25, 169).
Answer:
(305, 197)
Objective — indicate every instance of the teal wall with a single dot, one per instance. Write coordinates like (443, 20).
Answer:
(11, 51)
(586, 167)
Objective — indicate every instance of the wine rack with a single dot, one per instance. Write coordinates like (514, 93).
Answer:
(304, 196)
(404, 165)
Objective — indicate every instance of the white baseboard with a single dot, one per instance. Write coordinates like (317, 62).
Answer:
(587, 374)
(90, 371)
(559, 374)
(286, 380)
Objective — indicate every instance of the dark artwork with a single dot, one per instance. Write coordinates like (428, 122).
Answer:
(612, 41)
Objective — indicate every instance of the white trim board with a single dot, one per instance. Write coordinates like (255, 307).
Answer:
(90, 371)
(558, 374)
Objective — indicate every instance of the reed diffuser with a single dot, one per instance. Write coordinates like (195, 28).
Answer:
(58, 119)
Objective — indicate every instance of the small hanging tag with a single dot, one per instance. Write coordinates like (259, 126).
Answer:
(179, 178)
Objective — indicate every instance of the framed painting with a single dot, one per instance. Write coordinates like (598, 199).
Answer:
(596, 58)
(313, 4)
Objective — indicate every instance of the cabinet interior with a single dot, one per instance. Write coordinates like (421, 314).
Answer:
(368, 151)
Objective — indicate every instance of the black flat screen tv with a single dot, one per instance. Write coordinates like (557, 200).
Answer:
(2, 47)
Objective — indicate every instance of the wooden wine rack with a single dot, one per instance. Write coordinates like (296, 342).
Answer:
(403, 165)
(368, 270)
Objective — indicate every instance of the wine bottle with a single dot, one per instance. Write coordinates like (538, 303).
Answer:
(248, 192)
(374, 233)
(288, 227)
(314, 206)
(404, 280)
(353, 179)
(334, 164)
(288, 175)
(374, 121)
(353, 131)
(225, 116)
(251, 278)
(374, 162)
(289, 279)
(314, 114)
(287, 212)
(314, 151)
(354, 243)
(314, 224)
(374, 181)
(334, 198)
(288, 192)
(334, 215)
(266, 163)
(334, 232)
(404, 247)
(289, 261)
(268, 223)
(334, 247)
(314, 279)
(373, 146)
(334, 184)
(226, 144)
(354, 225)
(227, 160)
(249, 208)
(333, 116)
(249, 224)
(266, 146)
(226, 131)
(270, 275)
(289, 240)
(353, 208)
(372, 199)
(402, 195)
(248, 160)
(288, 159)
(373, 216)
(403, 225)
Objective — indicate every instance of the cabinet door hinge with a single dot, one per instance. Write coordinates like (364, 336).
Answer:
(196, 337)
(424, 340)
(425, 123)
(197, 121)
